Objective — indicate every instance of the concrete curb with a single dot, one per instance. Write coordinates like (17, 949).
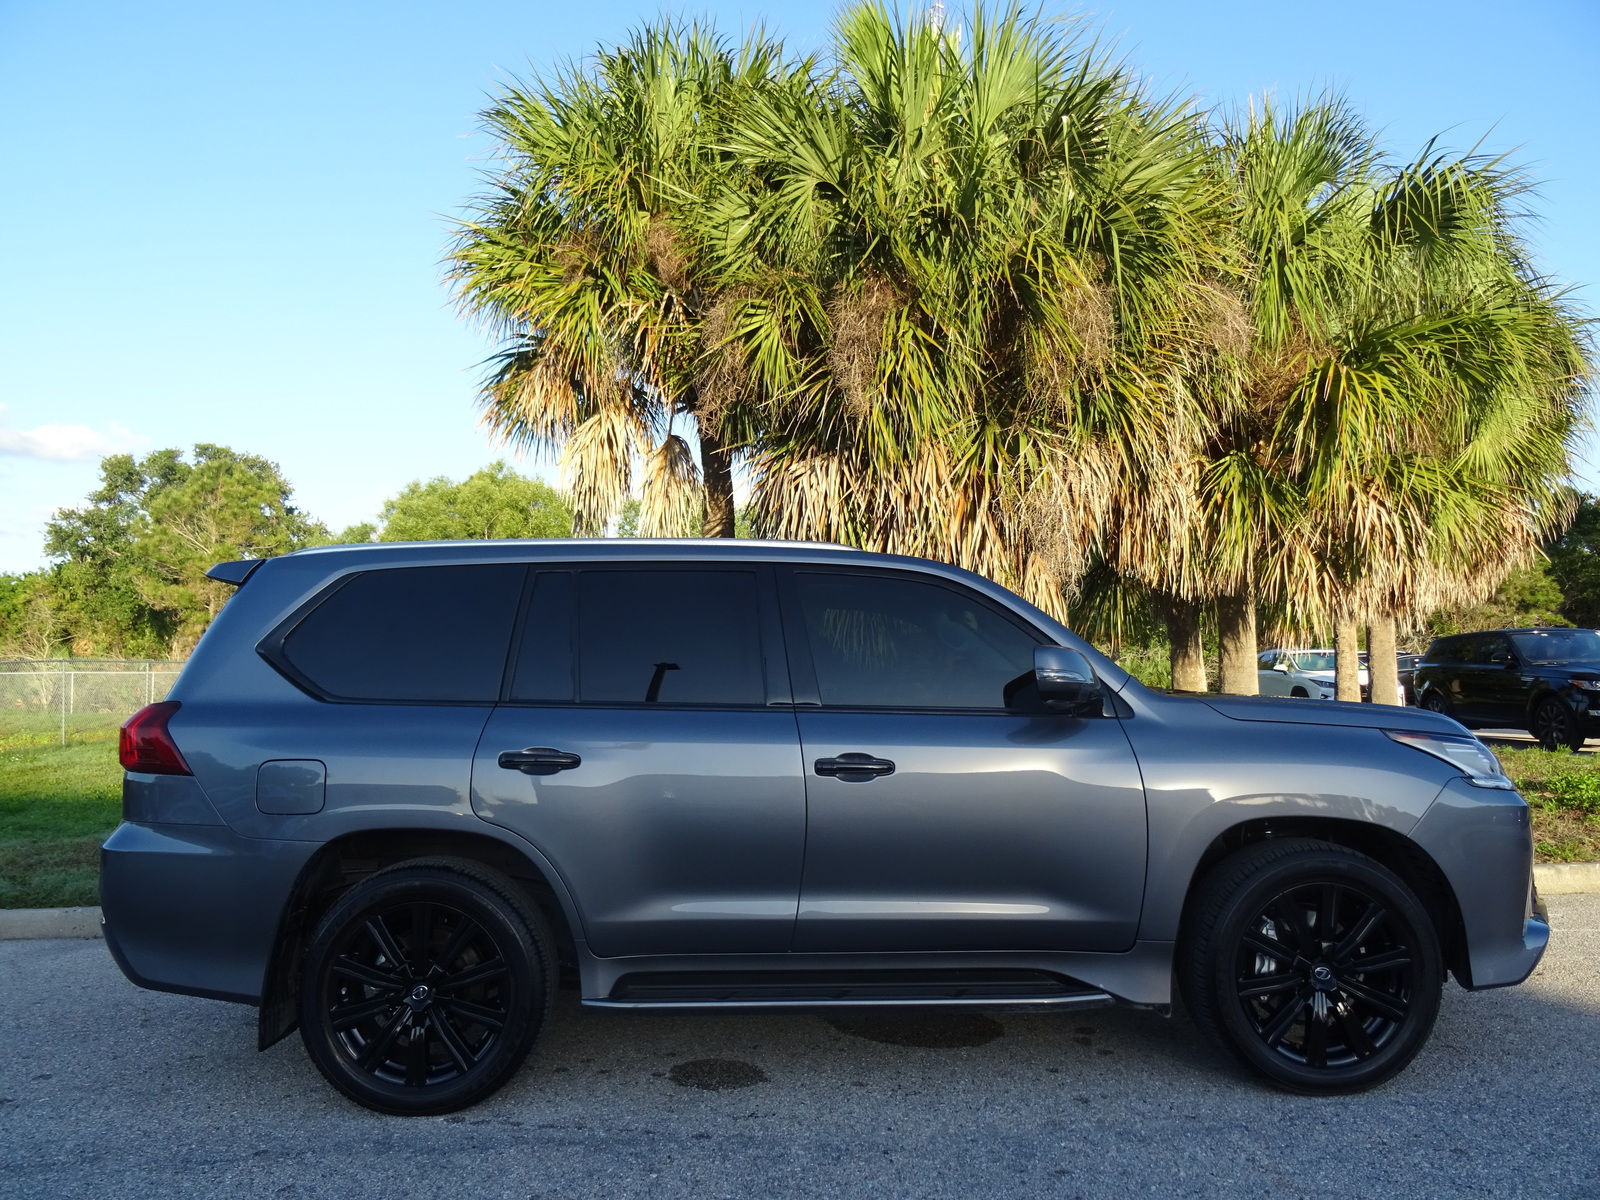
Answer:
(1563, 879)
(49, 923)
(1552, 879)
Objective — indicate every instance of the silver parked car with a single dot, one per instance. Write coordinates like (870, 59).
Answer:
(1302, 674)
(400, 792)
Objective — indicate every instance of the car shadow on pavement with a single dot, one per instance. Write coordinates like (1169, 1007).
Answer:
(104, 1080)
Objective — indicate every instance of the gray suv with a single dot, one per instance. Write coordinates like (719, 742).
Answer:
(402, 792)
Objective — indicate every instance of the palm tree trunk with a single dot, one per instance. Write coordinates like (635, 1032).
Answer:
(1188, 651)
(1236, 620)
(716, 477)
(1347, 659)
(1382, 669)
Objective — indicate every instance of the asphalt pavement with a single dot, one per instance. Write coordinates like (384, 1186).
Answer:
(109, 1090)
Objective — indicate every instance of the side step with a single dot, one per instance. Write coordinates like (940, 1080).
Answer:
(1013, 990)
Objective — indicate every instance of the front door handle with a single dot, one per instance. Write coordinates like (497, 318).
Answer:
(539, 760)
(854, 768)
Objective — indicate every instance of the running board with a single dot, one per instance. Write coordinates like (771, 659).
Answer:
(1001, 990)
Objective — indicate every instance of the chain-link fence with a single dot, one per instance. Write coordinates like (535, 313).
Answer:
(62, 695)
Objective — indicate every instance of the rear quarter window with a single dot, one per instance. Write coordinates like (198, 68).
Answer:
(406, 635)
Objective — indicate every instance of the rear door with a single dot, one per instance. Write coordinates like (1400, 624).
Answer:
(1505, 683)
(947, 808)
(404, 665)
(646, 746)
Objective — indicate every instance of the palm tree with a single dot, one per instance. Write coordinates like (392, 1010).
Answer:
(1400, 424)
(964, 269)
(583, 257)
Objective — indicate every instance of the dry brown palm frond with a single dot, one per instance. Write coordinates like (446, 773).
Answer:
(722, 376)
(664, 255)
(670, 494)
(1091, 317)
(1226, 325)
(857, 317)
(597, 467)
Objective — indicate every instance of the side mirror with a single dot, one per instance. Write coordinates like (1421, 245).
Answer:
(1280, 665)
(1065, 677)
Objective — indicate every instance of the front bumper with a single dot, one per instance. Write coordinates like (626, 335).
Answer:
(195, 908)
(1482, 841)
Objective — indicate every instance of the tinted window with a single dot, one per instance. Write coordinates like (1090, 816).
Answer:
(1492, 647)
(544, 656)
(1559, 645)
(883, 641)
(413, 633)
(669, 637)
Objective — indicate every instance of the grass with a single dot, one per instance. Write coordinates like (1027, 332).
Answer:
(1563, 790)
(58, 803)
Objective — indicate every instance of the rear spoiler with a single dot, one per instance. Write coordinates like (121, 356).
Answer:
(235, 572)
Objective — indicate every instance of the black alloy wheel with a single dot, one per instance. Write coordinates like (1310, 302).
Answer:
(1433, 700)
(425, 986)
(1312, 964)
(1555, 726)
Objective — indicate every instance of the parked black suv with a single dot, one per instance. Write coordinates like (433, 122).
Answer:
(1546, 681)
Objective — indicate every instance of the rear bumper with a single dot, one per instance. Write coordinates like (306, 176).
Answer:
(195, 908)
(1482, 841)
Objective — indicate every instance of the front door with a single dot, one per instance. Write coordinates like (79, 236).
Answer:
(948, 809)
(638, 750)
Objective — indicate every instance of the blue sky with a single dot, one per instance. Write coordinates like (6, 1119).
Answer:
(224, 220)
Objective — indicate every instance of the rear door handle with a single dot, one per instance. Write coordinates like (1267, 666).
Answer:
(854, 768)
(539, 760)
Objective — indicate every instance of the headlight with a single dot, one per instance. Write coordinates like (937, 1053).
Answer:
(1588, 685)
(1468, 755)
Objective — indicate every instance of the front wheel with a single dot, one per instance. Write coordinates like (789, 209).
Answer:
(425, 986)
(1555, 726)
(1312, 964)
(1433, 700)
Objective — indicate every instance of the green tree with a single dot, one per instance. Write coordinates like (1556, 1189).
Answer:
(495, 502)
(1575, 565)
(1527, 596)
(131, 566)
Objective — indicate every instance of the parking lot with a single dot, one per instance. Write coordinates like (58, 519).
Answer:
(106, 1089)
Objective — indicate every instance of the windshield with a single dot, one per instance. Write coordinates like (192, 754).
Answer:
(1559, 645)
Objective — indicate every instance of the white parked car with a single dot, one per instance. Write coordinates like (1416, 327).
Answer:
(1303, 673)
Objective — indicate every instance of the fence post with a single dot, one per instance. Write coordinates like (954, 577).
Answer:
(62, 693)
(149, 683)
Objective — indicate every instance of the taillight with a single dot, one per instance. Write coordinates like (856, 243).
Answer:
(146, 745)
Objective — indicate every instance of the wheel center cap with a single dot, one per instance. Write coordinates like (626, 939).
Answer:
(419, 997)
(1322, 977)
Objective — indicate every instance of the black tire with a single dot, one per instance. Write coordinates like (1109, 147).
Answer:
(425, 986)
(1300, 693)
(1433, 700)
(1261, 981)
(1555, 726)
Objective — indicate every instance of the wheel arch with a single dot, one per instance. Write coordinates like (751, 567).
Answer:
(1414, 865)
(344, 861)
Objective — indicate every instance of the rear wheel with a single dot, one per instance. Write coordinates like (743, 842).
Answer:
(1312, 964)
(1555, 726)
(1433, 700)
(425, 987)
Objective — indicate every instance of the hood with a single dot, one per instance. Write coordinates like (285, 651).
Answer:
(1578, 666)
(1331, 712)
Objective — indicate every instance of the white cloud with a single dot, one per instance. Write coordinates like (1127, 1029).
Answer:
(67, 443)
